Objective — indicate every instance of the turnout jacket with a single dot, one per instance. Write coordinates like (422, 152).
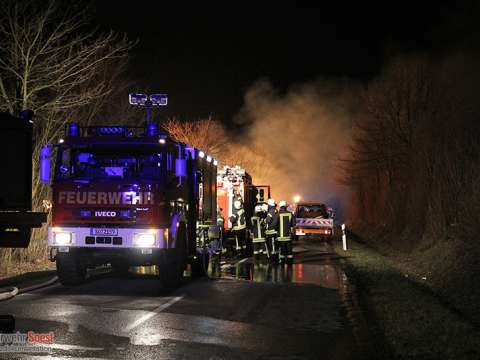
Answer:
(272, 221)
(286, 223)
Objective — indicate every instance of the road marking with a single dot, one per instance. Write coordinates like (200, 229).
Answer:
(49, 357)
(68, 347)
(242, 261)
(151, 314)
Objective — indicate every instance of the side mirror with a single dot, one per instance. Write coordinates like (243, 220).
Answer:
(45, 154)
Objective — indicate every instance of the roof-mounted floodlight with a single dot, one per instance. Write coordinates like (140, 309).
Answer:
(209, 158)
(201, 154)
(159, 99)
(148, 100)
(215, 162)
(162, 141)
(137, 99)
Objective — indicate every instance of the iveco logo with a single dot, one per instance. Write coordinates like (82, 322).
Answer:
(105, 213)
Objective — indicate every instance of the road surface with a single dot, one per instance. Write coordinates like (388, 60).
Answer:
(251, 311)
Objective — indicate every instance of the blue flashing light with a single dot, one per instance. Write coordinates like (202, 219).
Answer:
(152, 129)
(111, 130)
(85, 213)
(125, 213)
(73, 129)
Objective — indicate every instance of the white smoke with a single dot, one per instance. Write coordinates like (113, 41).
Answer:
(299, 137)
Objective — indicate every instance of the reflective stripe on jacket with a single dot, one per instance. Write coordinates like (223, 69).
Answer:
(240, 222)
(286, 224)
(258, 233)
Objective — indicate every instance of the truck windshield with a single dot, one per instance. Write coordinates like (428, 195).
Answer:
(312, 211)
(110, 164)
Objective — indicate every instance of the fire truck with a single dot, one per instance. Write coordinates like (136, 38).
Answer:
(128, 196)
(235, 183)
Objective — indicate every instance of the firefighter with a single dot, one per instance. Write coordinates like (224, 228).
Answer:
(221, 227)
(239, 226)
(286, 223)
(258, 232)
(271, 231)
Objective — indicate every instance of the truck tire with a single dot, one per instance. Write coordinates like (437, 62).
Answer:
(200, 265)
(70, 270)
(172, 264)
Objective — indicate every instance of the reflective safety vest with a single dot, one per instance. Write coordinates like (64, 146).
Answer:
(285, 233)
(258, 233)
(240, 222)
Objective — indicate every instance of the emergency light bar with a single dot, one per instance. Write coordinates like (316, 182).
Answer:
(148, 100)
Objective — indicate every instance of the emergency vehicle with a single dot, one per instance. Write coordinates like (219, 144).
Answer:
(235, 183)
(313, 219)
(128, 196)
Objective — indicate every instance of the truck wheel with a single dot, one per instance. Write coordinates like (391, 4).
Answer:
(200, 265)
(170, 275)
(172, 264)
(70, 269)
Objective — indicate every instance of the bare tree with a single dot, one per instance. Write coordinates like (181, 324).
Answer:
(207, 134)
(54, 63)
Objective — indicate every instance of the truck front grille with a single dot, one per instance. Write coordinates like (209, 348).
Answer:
(91, 240)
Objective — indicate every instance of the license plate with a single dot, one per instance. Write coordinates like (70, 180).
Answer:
(110, 232)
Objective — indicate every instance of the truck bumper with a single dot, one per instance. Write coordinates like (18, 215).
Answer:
(108, 238)
(98, 256)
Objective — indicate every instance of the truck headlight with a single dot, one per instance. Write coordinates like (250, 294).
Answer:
(62, 238)
(144, 240)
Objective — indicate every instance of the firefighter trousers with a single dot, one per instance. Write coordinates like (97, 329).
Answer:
(240, 242)
(272, 246)
(285, 251)
(259, 248)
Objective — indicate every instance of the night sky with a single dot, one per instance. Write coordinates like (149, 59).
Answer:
(206, 58)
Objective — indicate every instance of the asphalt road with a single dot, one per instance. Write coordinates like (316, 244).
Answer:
(251, 311)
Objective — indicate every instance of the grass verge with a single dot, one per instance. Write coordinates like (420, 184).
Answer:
(415, 323)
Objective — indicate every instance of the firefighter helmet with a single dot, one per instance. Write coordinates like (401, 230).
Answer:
(258, 209)
(282, 203)
(237, 204)
(271, 202)
(264, 207)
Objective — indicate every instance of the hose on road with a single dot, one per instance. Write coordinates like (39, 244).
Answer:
(10, 292)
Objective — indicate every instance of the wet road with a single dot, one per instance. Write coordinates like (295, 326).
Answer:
(251, 311)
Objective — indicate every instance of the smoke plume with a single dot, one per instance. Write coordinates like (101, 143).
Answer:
(295, 140)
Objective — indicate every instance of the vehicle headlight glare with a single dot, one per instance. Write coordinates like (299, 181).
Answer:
(144, 240)
(63, 238)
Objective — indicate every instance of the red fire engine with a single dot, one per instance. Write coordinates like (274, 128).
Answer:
(128, 196)
(235, 183)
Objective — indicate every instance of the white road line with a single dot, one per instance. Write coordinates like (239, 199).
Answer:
(50, 357)
(151, 314)
(242, 261)
(68, 347)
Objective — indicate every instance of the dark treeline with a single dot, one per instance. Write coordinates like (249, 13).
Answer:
(414, 166)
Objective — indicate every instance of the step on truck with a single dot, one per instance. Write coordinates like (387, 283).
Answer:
(128, 196)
